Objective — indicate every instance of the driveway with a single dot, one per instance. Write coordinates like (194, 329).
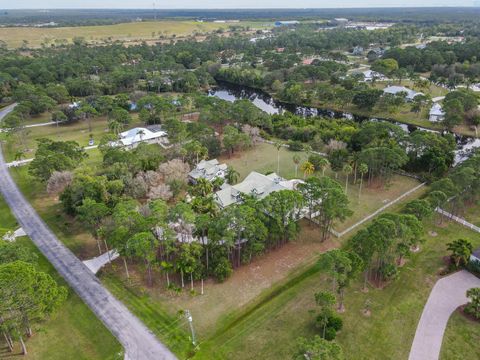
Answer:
(446, 296)
(139, 343)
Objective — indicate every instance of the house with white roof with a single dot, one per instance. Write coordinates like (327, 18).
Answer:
(255, 184)
(209, 170)
(131, 138)
(394, 90)
(370, 75)
(436, 113)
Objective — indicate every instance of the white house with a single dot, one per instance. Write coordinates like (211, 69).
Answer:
(131, 138)
(255, 184)
(394, 90)
(436, 113)
(209, 170)
(369, 75)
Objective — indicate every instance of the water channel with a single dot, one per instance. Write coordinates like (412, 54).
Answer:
(262, 100)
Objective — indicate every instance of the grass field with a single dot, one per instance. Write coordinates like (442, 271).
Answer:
(461, 334)
(73, 332)
(77, 131)
(269, 329)
(263, 158)
(14, 36)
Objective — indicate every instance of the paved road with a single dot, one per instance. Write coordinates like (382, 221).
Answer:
(446, 296)
(138, 341)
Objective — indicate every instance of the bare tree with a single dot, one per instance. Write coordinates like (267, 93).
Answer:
(174, 169)
(58, 181)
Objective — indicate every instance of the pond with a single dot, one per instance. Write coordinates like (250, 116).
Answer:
(262, 100)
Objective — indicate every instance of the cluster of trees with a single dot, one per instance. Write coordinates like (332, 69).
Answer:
(27, 295)
(460, 188)
(385, 243)
(461, 106)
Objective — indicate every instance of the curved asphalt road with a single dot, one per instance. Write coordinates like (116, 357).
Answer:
(447, 295)
(138, 342)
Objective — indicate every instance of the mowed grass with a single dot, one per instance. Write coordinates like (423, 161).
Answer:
(78, 131)
(263, 159)
(269, 329)
(73, 332)
(461, 339)
(14, 36)
(7, 220)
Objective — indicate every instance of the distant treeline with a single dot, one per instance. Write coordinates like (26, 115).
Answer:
(111, 16)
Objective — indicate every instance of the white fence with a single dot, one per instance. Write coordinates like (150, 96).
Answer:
(375, 213)
(458, 219)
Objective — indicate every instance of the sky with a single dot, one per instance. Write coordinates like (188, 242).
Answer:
(222, 4)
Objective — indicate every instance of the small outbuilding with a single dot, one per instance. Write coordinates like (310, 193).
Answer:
(436, 113)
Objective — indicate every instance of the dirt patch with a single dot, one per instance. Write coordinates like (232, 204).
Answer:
(432, 233)
(245, 284)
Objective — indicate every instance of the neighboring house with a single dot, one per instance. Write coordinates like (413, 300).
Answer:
(133, 137)
(75, 105)
(475, 255)
(358, 50)
(394, 90)
(369, 75)
(307, 61)
(209, 170)
(255, 184)
(286, 23)
(436, 113)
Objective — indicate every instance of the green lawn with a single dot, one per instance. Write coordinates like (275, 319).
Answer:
(461, 339)
(7, 221)
(268, 330)
(77, 131)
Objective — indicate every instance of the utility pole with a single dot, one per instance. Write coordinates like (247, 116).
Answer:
(189, 318)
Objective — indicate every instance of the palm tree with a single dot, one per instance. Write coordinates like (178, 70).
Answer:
(166, 267)
(296, 160)
(307, 168)
(362, 169)
(141, 133)
(278, 145)
(347, 169)
(323, 164)
(115, 126)
(203, 187)
(232, 175)
(461, 250)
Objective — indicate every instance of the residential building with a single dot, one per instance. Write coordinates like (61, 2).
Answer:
(131, 138)
(255, 184)
(394, 90)
(436, 113)
(209, 170)
(358, 50)
(286, 23)
(370, 75)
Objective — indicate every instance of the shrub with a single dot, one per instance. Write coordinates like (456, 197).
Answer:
(222, 270)
(295, 145)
